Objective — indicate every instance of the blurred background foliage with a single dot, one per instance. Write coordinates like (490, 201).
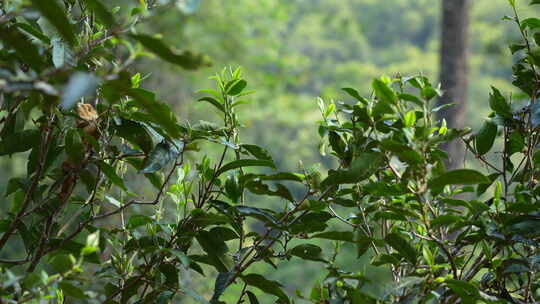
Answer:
(293, 51)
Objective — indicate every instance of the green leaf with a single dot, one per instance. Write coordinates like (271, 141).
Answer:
(101, 12)
(185, 59)
(445, 220)
(110, 172)
(404, 152)
(33, 31)
(19, 142)
(163, 153)
(384, 92)
(135, 133)
(26, 51)
(57, 16)
(261, 214)
(361, 168)
(498, 104)
(160, 112)
(531, 23)
(252, 298)
(257, 152)
(268, 286)
(289, 176)
(485, 138)
(213, 102)
(236, 87)
(458, 177)
(138, 220)
(402, 246)
(216, 249)
(245, 163)
(346, 236)
(71, 290)
(410, 119)
(74, 146)
(355, 94)
(223, 280)
(308, 252)
(80, 85)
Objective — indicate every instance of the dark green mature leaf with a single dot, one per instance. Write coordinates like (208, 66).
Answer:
(289, 176)
(110, 172)
(252, 298)
(216, 248)
(102, 13)
(26, 51)
(268, 286)
(261, 214)
(498, 104)
(308, 252)
(258, 187)
(212, 243)
(384, 92)
(485, 138)
(361, 168)
(74, 146)
(404, 152)
(138, 220)
(346, 236)
(160, 113)
(458, 177)
(71, 290)
(33, 31)
(402, 246)
(80, 85)
(163, 153)
(185, 59)
(213, 102)
(257, 152)
(135, 133)
(57, 16)
(355, 94)
(236, 87)
(19, 142)
(531, 23)
(445, 220)
(223, 280)
(245, 163)
(465, 290)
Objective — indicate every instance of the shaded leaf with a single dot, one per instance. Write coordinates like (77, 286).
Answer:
(245, 163)
(185, 59)
(485, 138)
(268, 286)
(346, 236)
(101, 12)
(308, 252)
(58, 17)
(458, 177)
(361, 168)
(19, 141)
(402, 246)
(135, 133)
(163, 153)
(110, 172)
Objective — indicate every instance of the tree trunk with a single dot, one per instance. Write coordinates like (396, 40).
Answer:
(453, 70)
